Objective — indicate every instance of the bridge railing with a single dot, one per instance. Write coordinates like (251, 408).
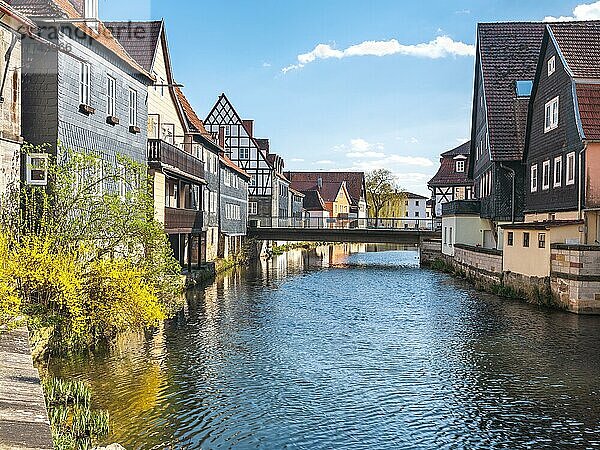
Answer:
(336, 223)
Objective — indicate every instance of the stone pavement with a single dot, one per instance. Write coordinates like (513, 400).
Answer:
(23, 416)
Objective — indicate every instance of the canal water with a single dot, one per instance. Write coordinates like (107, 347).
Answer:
(328, 349)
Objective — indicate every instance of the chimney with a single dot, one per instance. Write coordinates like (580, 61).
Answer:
(90, 11)
(249, 126)
(222, 137)
(320, 183)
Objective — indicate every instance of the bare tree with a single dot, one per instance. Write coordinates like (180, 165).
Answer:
(380, 190)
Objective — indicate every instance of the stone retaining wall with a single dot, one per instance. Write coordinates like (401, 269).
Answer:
(575, 277)
(481, 264)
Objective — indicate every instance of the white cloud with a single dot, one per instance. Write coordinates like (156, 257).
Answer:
(297, 160)
(440, 47)
(365, 155)
(324, 162)
(266, 64)
(463, 11)
(585, 11)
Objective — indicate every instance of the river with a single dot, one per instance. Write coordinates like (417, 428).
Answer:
(330, 349)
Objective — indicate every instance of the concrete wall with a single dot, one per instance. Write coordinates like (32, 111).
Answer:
(575, 277)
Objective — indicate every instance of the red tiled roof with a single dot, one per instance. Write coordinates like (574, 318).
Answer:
(588, 99)
(508, 53)
(355, 181)
(447, 174)
(65, 9)
(5, 8)
(229, 163)
(579, 43)
(194, 122)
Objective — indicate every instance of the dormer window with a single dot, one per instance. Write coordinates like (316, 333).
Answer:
(551, 65)
(460, 166)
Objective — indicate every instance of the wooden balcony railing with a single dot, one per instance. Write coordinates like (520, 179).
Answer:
(183, 220)
(165, 153)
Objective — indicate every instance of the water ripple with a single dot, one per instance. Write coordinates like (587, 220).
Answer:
(323, 350)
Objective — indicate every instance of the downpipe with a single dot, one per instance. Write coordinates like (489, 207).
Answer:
(580, 190)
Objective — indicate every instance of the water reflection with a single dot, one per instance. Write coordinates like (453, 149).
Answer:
(329, 349)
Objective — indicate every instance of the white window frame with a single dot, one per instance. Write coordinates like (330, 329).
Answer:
(133, 107)
(570, 161)
(253, 208)
(551, 115)
(460, 166)
(557, 171)
(533, 174)
(84, 83)
(546, 175)
(551, 65)
(111, 96)
(244, 153)
(43, 158)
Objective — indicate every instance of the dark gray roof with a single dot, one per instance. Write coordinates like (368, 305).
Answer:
(140, 39)
(414, 196)
(37, 8)
(462, 149)
(508, 52)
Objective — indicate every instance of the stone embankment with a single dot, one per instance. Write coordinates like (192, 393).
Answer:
(24, 420)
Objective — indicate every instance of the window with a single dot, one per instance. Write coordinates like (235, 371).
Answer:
(551, 120)
(445, 235)
(551, 65)
(460, 166)
(570, 168)
(244, 153)
(510, 239)
(133, 107)
(525, 239)
(541, 240)
(253, 180)
(84, 83)
(534, 178)
(416, 213)
(37, 169)
(450, 237)
(558, 171)
(416, 202)
(546, 175)
(111, 91)
(252, 208)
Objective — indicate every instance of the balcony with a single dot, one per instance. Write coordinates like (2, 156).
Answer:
(182, 220)
(167, 154)
(461, 207)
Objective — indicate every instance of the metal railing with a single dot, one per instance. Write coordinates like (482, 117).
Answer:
(344, 223)
(163, 152)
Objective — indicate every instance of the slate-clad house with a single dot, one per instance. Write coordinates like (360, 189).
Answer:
(562, 156)
(14, 26)
(506, 59)
(355, 184)
(80, 87)
(236, 136)
(452, 182)
(233, 200)
(177, 172)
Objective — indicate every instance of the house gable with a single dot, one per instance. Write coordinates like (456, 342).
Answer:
(240, 146)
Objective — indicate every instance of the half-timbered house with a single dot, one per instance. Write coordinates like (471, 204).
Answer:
(451, 182)
(237, 138)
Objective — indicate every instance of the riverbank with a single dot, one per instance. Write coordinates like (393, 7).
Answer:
(24, 420)
(570, 286)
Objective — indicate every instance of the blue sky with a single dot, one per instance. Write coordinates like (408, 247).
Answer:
(340, 110)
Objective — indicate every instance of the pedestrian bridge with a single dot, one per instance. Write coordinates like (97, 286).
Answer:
(365, 231)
